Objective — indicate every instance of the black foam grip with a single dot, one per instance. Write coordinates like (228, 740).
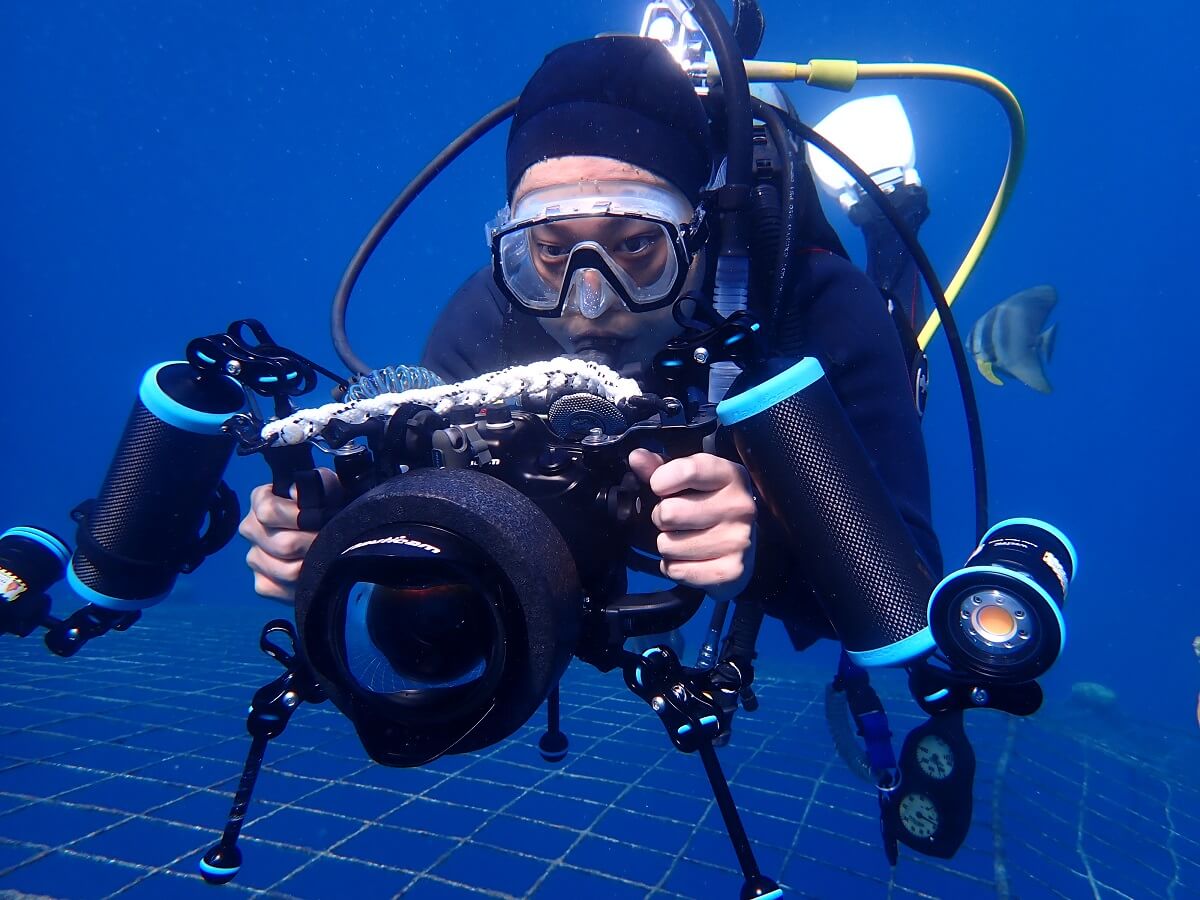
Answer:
(286, 462)
(310, 498)
(146, 520)
(635, 615)
(815, 477)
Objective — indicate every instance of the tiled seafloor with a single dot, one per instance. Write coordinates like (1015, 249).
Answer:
(117, 769)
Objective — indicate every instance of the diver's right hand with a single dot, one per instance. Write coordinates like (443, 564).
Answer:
(277, 545)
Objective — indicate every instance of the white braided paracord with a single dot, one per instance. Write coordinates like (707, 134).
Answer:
(538, 382)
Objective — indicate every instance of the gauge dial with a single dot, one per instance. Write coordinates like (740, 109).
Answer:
(935, 757)
(919, 815)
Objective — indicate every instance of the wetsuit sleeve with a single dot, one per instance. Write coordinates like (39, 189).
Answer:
(847, 327)
(476, 332)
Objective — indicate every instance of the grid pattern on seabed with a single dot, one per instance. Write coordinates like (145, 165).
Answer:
(117, 768)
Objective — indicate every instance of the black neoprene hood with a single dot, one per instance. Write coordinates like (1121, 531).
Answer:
(618, 96)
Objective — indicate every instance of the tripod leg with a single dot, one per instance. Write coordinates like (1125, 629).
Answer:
(270, 711)
(553, 743)
(756, 884)
(684, 701)
(224, 861)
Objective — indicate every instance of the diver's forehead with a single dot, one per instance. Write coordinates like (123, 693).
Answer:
(564, 170)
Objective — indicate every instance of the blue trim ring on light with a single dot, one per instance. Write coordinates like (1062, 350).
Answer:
(175, 413)
(897, 654)
(763, 396)
(45, 538)
(1016, 576)
(117, 604)
(1038, 523)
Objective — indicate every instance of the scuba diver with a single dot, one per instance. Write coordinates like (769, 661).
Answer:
(600, 254)
(644, 288)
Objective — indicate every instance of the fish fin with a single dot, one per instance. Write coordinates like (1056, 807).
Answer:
(1045, 341)
(1042, 298)
(1030, 373)
(988, 372)
(1026, 312)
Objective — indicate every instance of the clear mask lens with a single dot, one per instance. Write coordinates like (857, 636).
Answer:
(640, 254)
(625, 239)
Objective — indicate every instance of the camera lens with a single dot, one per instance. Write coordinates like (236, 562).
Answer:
(428, 620)
(428, 632)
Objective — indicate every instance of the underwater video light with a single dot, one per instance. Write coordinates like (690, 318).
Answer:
(31, 560)
(875, 133)
(1001, 615)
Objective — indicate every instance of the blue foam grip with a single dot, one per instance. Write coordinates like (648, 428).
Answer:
(156, 395)
(117, 604)
(762, 397)
(895, 654)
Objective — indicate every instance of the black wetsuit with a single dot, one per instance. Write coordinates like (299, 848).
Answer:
(846, 326)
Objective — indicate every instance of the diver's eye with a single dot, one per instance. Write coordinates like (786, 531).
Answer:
(552, 252)
(639, 243)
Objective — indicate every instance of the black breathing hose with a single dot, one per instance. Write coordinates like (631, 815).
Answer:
(782, 282)
(967, 388)
(739, 130)
(341, 299)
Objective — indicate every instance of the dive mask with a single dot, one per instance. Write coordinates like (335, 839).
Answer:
(591, 245)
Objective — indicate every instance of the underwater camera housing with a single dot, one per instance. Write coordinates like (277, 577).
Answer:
(487, 539)
(484, 548)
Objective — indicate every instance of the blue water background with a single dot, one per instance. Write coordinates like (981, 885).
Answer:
(168, 168)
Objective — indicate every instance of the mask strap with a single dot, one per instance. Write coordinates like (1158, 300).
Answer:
(696, 233)
(705, 317)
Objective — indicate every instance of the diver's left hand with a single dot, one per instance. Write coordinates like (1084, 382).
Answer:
(705, 519)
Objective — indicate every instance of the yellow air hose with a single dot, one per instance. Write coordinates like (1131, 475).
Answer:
(843, 74)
